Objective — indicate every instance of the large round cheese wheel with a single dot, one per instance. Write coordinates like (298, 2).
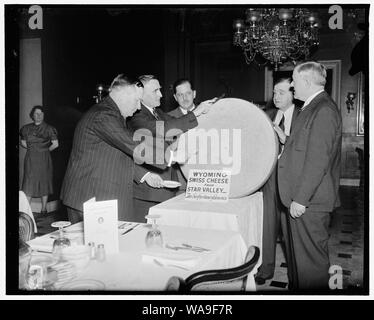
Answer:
(234, 135)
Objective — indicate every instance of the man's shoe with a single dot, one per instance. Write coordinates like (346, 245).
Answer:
(259, 280)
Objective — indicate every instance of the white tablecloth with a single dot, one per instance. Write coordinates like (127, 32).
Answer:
(244, 215)
(128, 271)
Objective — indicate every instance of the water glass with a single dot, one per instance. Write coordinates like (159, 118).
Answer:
(154, 238)
(61, 242)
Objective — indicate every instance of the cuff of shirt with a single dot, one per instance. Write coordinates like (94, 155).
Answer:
(171, 158)
(142, 179)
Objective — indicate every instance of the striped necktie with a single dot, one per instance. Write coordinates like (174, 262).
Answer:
(155, 114)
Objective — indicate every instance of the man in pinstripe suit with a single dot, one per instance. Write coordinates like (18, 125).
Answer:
(101, 163)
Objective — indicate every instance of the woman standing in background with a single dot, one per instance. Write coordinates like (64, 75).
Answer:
(39, 138)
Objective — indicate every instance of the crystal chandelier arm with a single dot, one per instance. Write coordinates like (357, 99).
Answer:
(249, 55)
(276, 34)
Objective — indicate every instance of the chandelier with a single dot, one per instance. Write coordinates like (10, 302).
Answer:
(276, 34)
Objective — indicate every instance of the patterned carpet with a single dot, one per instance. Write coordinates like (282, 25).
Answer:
(346, 243)
(346, 246)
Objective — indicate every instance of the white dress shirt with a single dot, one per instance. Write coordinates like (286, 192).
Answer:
(287, 122)
(287, 119)
(184, 111)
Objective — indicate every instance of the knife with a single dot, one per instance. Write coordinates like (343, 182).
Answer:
(219, 98)
(184, 248)
(128, 230)
(122, 225)
(195, 247)
(160, 264)
(42, 251)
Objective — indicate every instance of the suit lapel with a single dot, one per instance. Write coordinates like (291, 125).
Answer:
(272, 113)
(295, 113)
(180, 113)
(299, 118)
(146, 112)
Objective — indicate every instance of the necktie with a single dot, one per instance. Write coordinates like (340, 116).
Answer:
(155, 114)
(281, 123)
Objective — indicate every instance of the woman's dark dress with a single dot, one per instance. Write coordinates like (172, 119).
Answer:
(38, 169)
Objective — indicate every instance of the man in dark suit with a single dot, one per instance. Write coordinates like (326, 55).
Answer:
(151, 118)
(184, 94)
(282, 116)
(102, 159)
(308, 178)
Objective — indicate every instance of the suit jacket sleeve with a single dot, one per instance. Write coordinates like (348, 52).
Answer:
(110, 128)
(322, 138)
(176, 113)
(139, 173)
(169, 125)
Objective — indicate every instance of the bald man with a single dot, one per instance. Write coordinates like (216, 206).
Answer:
(308, 178)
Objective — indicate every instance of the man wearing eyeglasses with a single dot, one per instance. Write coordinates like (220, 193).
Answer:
(150, 117)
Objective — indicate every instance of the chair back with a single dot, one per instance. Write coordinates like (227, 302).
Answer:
(24, 206)
(175, 284)
(232, 279)
(26, 227)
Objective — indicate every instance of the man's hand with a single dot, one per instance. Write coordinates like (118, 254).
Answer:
(203, 107)
(281, 135)
(296, 210)
(154, 180)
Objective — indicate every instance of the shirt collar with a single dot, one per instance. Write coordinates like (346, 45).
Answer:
(184, 111)
(287, 114)
(151, 110)
(289, 111)
(288, 119)
(307, 101)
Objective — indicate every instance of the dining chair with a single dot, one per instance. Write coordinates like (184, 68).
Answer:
(26, 227)
(232, 279)
(24, 206)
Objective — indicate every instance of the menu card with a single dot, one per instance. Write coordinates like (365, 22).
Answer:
(100, 224)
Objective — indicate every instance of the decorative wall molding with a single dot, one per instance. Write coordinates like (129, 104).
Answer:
(334, 65)
(360, 105)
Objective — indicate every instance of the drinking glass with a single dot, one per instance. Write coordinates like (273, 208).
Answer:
(39, 275)
(24, 252)
(153, 238)
(61, 242)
